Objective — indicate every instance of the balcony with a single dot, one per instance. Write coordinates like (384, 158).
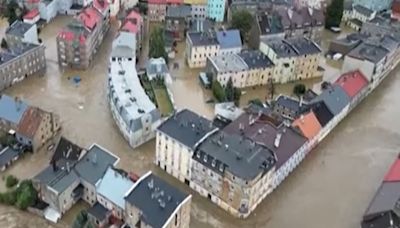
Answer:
(77, 192)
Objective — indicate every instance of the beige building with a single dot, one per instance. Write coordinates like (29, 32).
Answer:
(294, 58)
(199, 47)
(174, 153)
(153, 203)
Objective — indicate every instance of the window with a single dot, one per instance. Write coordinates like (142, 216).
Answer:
(176, 219)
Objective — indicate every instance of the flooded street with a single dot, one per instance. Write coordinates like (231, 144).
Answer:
(330, 189)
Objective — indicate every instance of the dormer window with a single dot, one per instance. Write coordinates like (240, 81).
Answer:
(205, 158)
(213, 163)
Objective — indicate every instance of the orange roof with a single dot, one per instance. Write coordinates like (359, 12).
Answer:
(308, 124)
(30, 122)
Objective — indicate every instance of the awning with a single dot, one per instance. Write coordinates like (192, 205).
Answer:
(51, 214)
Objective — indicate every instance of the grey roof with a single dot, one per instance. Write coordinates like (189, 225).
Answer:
(281, 48)
(66, 151)
(181, 11)
(235, 154)
(156, 66)
(303, 46)
(270, 24)
(98, 211)
(58, 179)
(7, 155)
(290, 104)
(6, 57)
(229, 39)
(201, 25)
(348, 5)
(334, 97)
(186, 127)
(256, 59)
(18, 28)
(156, 200)
(356, 22)
(363, 10)
(11, 109)
(94, 164)
(369, 52)
(15, 51)
(202, 38)
(387, 198)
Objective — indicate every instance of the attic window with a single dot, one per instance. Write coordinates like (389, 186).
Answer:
(213, 163)
(205, 158)
(198, 155)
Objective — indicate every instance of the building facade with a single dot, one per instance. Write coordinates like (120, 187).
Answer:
(157, 10)
(200, 46)
(20, 32)
(216, 10)
(375, 5)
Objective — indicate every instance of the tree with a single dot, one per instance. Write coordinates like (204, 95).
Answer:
(242, 20)
(334, 13)
(80, 220)
(11, 181)
(26, 195)
(12, 12)
(229, 90)
(218, 91)
(157, 44)
(236, 96)
(142, 8)
(4, 44)
(256, 102)
(299, 89)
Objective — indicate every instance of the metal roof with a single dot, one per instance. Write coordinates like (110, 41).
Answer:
(256, 59)
(387, 198)
(202, 38)
(229, 39)
(12, 109)
(7, 155)
(369, 52)
(335, 98)
(18, 28)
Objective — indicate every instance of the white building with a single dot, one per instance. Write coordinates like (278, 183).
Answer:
(157, 68)
(32, 16)
(359, 15)
(199, 47)
(20, 32)
(135, 114)
(229, 41)
(48, 10)
(114, 7)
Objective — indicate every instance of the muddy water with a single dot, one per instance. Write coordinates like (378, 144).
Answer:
(331, 188)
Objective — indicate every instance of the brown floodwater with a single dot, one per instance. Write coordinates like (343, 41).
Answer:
(330, 189)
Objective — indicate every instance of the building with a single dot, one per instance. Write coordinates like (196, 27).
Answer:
(249, 68)
(7, 157)
(20, 62)
(229, 41)
(346, 44)
(80, 40)
(289, 107)
(360, 15)
(114, 7)
(157, 9)
(32, 16)
(111, 190)
(36, 128)
(396, 10)
(382, 211)
(62, 184)
(370, 59)
(177, 20)
(20, 32)
(48, 9)
(294, 58)
(375, 5)
(156, 68)
(176, 141)
(11, 112)
(314, 4)
(134, 113)
(200, 46)
(152, 202)
(284, 22)
(308, 125)
(354, 83)
(198, 8)
(134, 23)
(233, 172)
(216, 10)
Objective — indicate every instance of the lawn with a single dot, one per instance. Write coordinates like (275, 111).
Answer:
(163, 101)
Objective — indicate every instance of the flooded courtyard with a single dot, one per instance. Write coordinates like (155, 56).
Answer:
(330, 189)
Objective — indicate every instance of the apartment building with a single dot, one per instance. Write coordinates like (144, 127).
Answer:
(134, 113)
(375, 5)
(314, 4)
(354, 83)
(200, 46)
(153, 203)
(157, 9)
(233, 172)
(32, 16)
(21, 61)
(198, 7)
(20, 32)
(230, 41)
(11, 112)
(134, 24)
(260, 68)
(216, 9)
(80, 40)
(360, 15)
(294, 58)
(289, 107)
(284, 22)
(176, 141)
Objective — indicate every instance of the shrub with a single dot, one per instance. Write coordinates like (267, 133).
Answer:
(218, 91)
(11, 181)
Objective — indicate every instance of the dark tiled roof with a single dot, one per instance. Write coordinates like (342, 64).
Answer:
(15, 52)
(270, 24)
(155, 199)
(386, 199)
(202, 38)
(235, 154)
(181, 11)
(322, 112)
(65, 152)
(98, 211)
(363, 10)
(265, 133)
(369, 52)
(281, 48)
(58, 179)
(186, 127)
(94, 164)
(335, 99)
(229, 38)
(7, 155)
(291, 104)
(255, 59)
(303, 46)
(18, 28)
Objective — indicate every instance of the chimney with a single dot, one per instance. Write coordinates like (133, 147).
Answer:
(277, 140)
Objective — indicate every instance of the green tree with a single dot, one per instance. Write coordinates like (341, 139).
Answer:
(242, 20)
(157, 44)
(26, 195)
(4, 44)
(256, 102)
(229, 90)
(142, 8)
(12, 12)
(11, 181)
(299, 89)
(80, 220)
(334, 13)
(218, 91)
(236, 96)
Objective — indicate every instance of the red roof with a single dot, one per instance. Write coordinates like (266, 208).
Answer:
(32, 14)
(30, 122)
(130, 27)
(174, 1)
(66, 35)
(157, 1)
(352, 82)
(394, 172)
(33, 1)
(89, 17)
(101, 5)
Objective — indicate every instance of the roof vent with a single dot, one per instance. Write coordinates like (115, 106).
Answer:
(277, 140)
(150, 184)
